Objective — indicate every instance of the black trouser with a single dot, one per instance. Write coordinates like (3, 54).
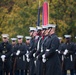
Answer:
(21, 72)
(0, 72)
(39, 68)
(6, 67)
(71, 72)
(32, 67)
(3, 73)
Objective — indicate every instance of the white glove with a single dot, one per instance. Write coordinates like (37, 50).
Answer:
(41, 50)
(44, 60)
(43, 56)
(3, 57)
(37, 57)
(27, 52)
(34, 55)
(28, 59)
(35, 62)
(59, 52)
(65, 52)
(27, 55)
(18, 52)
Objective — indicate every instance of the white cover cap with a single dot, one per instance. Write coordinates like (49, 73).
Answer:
(67, 36)
(49, 25)
(53, 25)
(5, 35)
(44, 27)
(33, 29)
(13, 39)
(39, 28)
(59, 38)
(27, 37)
(19, 36)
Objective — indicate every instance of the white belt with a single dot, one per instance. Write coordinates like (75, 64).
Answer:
(23, 57)
(71, 58)
(62, 57)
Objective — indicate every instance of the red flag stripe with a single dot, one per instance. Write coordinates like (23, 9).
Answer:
(45, 13)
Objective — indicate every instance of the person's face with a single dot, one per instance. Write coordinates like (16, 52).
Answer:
(20, 40)
(67, 39)
(60, 40)
(42, 32)
(31, 33)
(49, 30)
(52, 31)
(34, 33)
(5, 39)
(39, 32)
(46, 32)
(28, 41)
(13, 42)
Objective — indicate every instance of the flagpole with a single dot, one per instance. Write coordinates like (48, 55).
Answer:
(38, 20)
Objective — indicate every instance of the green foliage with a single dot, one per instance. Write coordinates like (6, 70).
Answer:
(17, 15)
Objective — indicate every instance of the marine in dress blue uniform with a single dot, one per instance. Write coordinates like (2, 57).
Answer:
(13, 42)
(28, 38)
(50, 56)
(43, 40)
(33, 41)
(38, 48)
(20, 60)
(59, 53)
(5, 52)
(68, 49)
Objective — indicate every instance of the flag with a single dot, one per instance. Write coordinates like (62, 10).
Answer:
(38, 21)
(45, 14)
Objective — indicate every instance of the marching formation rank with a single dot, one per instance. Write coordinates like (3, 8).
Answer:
(42, 53)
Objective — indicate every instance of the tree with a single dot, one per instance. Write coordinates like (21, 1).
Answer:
(17, 15)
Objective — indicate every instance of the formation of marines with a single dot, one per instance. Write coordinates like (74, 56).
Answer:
(43, 53)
